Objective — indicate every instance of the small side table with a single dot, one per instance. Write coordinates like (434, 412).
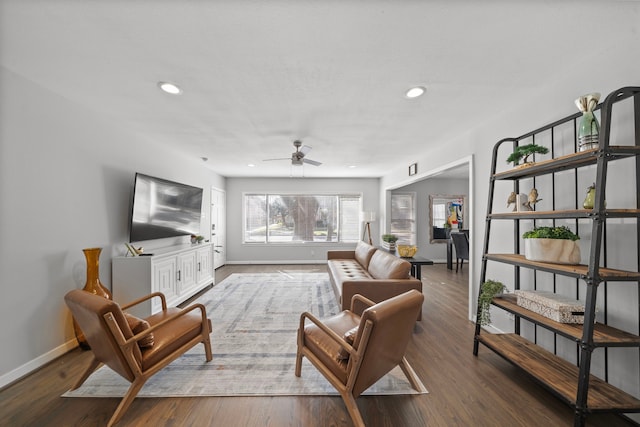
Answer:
(416, 262)
(416, 266)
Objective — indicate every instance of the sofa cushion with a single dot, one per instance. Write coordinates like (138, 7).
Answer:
(363, 254)
(384, 265)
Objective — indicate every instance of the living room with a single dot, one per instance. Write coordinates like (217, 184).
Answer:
(67, 168)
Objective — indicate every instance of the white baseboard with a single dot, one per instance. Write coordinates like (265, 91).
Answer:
(36, 363)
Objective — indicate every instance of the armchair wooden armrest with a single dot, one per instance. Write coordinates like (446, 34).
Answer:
(144, 298)
(357, 298)
(337, 338)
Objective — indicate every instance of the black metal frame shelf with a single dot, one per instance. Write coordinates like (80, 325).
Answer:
(573, 384)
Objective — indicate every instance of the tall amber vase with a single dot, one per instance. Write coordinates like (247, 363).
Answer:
(93, 286)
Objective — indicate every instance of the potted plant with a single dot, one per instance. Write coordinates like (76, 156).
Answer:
(488, 291)
(389, 241)
(523, 152)
(552, 244)
(199, 239)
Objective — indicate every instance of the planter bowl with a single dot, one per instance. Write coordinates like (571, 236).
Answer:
(557, 251)
(407, 251)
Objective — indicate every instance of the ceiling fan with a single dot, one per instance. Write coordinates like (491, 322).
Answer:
(298, 157)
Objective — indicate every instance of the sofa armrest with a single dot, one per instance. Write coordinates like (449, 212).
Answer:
(341, 254)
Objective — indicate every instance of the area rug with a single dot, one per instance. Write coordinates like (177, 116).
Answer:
(255, 318)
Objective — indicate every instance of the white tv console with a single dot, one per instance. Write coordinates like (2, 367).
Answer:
(179, 272)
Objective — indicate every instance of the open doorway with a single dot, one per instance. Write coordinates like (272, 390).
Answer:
(452, 178)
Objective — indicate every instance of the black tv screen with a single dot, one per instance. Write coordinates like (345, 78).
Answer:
(163, 208)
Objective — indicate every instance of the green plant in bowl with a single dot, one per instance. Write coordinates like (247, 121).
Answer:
(561, 232)
(556, 245)
(389, 238)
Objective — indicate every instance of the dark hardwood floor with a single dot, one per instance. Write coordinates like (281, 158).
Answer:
(463, 390)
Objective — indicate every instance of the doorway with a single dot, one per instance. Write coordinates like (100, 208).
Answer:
(461, 169)
(218, 227)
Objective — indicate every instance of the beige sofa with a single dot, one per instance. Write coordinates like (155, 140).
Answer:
(370, 272)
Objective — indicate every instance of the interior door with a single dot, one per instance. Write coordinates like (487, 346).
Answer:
(218, 227)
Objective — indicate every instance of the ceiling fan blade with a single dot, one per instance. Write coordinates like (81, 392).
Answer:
(282, 158)
(305, 149)
(312, 162)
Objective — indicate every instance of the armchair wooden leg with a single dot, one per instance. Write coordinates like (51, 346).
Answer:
(131, 394)
(352, 408)
(412, 376)
(206, 341)
(298, 363)
(90, 369)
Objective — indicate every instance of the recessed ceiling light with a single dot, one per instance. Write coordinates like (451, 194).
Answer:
(170, 88)
(415, 92)
(251, 165)
(352, 166)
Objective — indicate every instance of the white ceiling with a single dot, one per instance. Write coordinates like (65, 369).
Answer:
(258, 74)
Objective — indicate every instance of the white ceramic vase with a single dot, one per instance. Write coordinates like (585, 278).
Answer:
(558, 251)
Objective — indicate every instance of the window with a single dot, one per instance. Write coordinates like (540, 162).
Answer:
(301, 218)
(403, 217)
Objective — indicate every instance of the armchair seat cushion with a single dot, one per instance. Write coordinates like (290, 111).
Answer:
(325, 348)
(168, 338)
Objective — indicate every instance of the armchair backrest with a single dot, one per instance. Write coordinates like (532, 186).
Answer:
(392, 324)
(89, 310)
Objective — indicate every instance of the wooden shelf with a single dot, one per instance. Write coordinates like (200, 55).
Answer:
(570, 214)
(572, 270)
(560, 376)
(570, 161)
(603, 335)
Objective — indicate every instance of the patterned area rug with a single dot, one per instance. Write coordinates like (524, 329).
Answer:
(255, 318)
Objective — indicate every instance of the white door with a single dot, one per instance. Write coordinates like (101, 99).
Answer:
(218, 227)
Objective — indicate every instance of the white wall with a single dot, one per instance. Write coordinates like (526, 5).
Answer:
(238, 252)
(66, 177)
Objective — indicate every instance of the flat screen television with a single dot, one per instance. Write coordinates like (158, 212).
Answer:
(163, 208)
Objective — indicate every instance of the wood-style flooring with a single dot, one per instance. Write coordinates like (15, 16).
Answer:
(463, 390)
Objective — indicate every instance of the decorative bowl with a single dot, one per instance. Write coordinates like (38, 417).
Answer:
(407, 251)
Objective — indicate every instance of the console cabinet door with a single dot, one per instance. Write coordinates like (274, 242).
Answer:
(186, 272)
(165, 280)
(205, 266)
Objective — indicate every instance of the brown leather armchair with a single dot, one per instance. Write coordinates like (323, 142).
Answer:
(136, 357)
(353, 351)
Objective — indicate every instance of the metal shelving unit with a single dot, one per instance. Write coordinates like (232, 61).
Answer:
(573, 384)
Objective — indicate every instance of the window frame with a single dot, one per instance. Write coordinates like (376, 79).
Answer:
(413, 229)
(339, 196)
